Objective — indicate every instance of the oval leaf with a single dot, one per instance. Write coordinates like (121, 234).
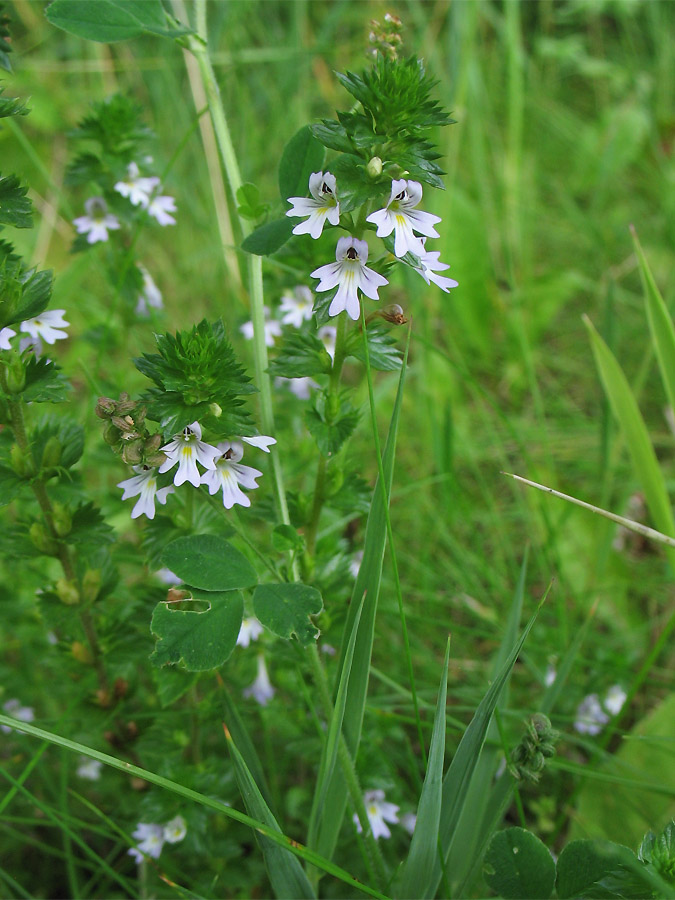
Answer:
(107, 21)
(209, 563)
(269, 237)
(285, 610)
(201, 640)
(301, 156)
(518, 865)
(584, 863)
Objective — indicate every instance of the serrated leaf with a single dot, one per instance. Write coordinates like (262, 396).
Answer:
(301, 156)
(285, 538)
(15, 207)
(107, 21)
(268, 238)
(68, 434)
(382, 350)
(10, 485)
(89, 530)
(45, 382)
(208, 562)
(285, 610)
(517, 865)
(330, 436)
(12, 106)
(35, 296)
(201, 640)
(301, 354)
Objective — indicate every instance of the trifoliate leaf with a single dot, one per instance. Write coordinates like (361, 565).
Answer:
(108, 21)
(285, 609)
(382, 350)
(518, 865)
(249, 204)
(45, 382)
(301, 354)
(301, 156)
(15, 208)
(330, 433)
(268, 238)
(200, 640)
(208, 562)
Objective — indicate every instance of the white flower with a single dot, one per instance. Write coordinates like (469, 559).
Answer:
(145, 484)
(430, 264)
(301, 387)
(261, 689)
(591, 717)
(137, 187)
(175, 830)
(160, 207)
(324, 205)
(379, 812)
(349, 274)
(187, 449)
(150, 295)
(46, 326)
(328, 649)
(401, 217)
(272, 329)
(228, 474)
(250, 630)
(355, 563)
(14, 709)
(89, 769)
(408, 821)
(261, 441)
(5, 335)
(550, 675)
(327, 334)
(97, 222)
(614, 699)
(297, 307)
(150, 839)
(166, 576)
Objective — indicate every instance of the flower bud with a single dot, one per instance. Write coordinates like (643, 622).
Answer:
(51, 455)
(374, 167)
(63, 521)
(155, 459)
(105, 407)
(21, 462)
(67, 592)
(393, 314)
(16, 374)
(154, 442)
(125, 424)
(81, 653)
(139, 416)
(132, 453)
(215, 410)
(111, 435)
(125, 404)
(42, 539)
(91, 585)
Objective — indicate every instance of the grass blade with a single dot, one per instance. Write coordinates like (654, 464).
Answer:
(632, 424)
(285, 873)
(244, 744)
(423, 847)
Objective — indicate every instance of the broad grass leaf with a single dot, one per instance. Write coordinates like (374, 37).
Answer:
(200, 640)
(424, 845)
(301, 156)
(107, 21)
(627, 413)
(518, 866)
(285, 609)
(245, 745)
(208, 562)
(285, 873)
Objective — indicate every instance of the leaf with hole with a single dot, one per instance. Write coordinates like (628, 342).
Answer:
(285, 609)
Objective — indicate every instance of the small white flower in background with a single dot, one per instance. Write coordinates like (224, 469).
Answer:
(160, 208)
(229, 474)
(327, 334)
(89, 769)
(301, 387)
(401, 217)
(145, 484)
(150, 840)
(175, 830)
(261, 441)
(14, 709)
(52, 638)
(614, 699)
(272, 329)
(261, 689)
(550, 675)
(5, 335)
(166, 576)
(136, 187)
(408, 821)
(46, 326)
(150, 295)
(591, 718)
(250, 630)
(187, 449)
(328, 649)
(297, 306)
(98, 221)
(355, 563)
(321, 206)
(430, 264)
(379, 812)
(349, 274)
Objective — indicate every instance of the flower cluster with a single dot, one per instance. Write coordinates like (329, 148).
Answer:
(45, 327)
(349, 273)
(592, 714)
(150, 838)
